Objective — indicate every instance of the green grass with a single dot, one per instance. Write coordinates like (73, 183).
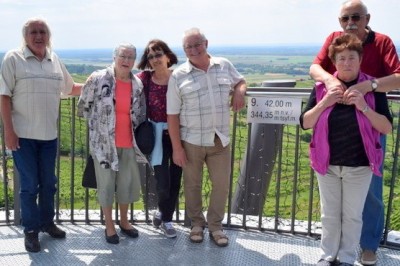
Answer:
(3, 197)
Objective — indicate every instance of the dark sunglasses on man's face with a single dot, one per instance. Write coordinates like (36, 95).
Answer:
(354, 18)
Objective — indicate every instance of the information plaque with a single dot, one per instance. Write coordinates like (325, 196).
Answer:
(273, 110)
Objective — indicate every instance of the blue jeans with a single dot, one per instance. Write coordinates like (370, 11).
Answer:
(373, 214)
(35, 162)
(168, 176)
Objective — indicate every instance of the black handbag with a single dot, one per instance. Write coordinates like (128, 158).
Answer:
(89, 175)
(145, 138)
(144, 133)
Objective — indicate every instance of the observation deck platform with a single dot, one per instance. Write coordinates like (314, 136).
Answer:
(86, 245)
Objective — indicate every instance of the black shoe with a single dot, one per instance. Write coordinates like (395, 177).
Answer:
(130, 232)
(54, 231)
(32, 242)
(114, 239)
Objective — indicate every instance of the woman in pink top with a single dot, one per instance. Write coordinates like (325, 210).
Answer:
(114, 104)
(345, 150)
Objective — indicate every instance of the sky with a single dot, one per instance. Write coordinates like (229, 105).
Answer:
(92, 24)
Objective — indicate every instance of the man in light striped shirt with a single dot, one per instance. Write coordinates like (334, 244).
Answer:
(200, 94)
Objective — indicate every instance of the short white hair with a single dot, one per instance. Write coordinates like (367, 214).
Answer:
(193, 31)
(124, 45)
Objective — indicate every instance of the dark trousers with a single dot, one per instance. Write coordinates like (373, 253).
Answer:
(168, 176)
(374, 210)
(35, 161)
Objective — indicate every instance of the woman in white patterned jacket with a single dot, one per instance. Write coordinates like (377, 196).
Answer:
(114, 104)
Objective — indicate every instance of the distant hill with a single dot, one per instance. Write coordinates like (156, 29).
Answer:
(288, 50)
(288, 59)
(105, 55)
(85, 61)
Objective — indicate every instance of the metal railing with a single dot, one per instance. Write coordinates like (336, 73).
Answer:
(282, 197)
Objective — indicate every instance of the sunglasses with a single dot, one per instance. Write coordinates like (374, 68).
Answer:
(155, 56)
(354, 18)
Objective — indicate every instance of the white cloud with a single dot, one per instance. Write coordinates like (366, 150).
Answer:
(103, 23)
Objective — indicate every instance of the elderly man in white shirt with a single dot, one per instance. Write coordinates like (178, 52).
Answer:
(32, 80)
(198, 108)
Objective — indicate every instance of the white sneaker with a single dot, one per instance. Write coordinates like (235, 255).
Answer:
(168, 229)
(157, 219)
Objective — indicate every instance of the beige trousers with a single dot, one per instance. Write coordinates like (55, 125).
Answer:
(217, 160)
(342, 191)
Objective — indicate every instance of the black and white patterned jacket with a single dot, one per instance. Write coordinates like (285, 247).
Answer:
(97, 105)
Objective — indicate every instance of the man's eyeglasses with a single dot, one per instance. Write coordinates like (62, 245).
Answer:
(196, 45)
(124, 57)
(155, 56)
(355, 18)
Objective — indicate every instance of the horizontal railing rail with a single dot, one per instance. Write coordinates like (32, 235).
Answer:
(272, 186)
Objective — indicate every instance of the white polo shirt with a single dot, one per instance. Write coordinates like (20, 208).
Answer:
(35, 89)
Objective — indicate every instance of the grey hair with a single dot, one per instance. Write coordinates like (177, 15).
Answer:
(193, 31)
(28, 24)
(124, 45)
(358, 2)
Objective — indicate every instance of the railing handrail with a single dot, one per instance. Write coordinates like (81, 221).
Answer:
(301, 92)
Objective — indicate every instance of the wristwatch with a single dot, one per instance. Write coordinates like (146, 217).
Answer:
(374, 85)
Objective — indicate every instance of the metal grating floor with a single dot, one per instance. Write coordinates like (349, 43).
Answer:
(85, 245)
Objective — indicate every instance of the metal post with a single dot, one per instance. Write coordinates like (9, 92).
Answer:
(258, 168)
(17, 201)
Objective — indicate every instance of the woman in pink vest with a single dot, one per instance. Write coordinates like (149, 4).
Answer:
(345, 150)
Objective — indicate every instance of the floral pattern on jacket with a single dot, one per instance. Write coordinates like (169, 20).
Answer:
(97, 105)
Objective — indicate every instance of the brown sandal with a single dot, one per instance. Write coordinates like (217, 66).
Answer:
(219, 238)
(196, 234)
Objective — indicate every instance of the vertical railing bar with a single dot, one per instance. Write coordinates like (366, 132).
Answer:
(87, 219)
(5, 176)
(58, 164)
(246, 183)
(72, 158)
(310, 202)
(146, 197)
(295, 181)
(393, 180)
(233, 147)
(278, 181)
